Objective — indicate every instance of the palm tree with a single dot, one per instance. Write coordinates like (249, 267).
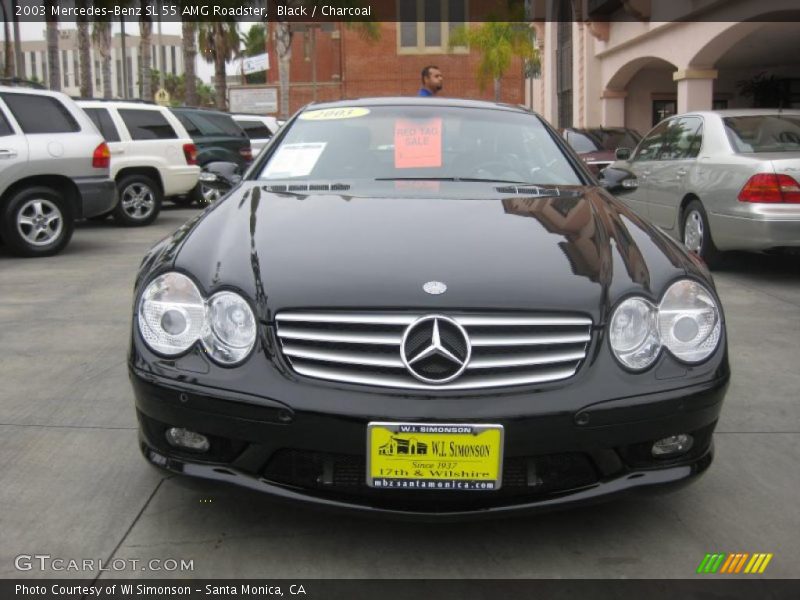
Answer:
(8, 69)
(84, 54)
(498, 43)
(145, 74)
(53, 65)
(219, 43)
(101, 37)
(189, 31)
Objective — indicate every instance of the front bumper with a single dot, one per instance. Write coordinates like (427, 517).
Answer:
(551, 460)
(98, 196)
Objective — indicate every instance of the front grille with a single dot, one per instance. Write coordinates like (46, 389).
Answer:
(364, 348)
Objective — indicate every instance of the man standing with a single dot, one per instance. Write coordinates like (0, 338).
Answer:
(432, 81)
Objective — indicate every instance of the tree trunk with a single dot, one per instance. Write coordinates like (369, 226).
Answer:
(283, 45)
(20, 62)
(84, 54)
(53, 64)
(219, 66)
(145, 56)
(497, 89)
(102, 35)
(8, 68)
(189, 58)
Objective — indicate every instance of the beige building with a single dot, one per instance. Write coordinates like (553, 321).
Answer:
(166, 50)
(642, 60)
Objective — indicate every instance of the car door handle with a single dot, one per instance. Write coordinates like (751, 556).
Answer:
(118, 151)
(4, 153)
(680, 173)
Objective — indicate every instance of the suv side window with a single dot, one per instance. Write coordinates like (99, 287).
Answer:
(650, 147)
(147, 124)
(102, 119)
(191, 128)
(217, 124)
(255, 129)
(40, 114)
(682, 139)
(5, 126)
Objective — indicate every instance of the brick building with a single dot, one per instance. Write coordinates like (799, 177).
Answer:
(349, 66)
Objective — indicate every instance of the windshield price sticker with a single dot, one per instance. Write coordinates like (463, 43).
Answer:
(332, 114)
(294, 160)
(417, 143)
(434, 456)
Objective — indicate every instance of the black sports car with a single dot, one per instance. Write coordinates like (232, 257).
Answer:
(426, 307)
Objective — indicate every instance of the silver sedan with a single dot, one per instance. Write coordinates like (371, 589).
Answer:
(720, 180)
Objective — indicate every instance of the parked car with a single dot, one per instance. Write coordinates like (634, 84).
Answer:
(152, 156)
(54, 169)
(218, 138)
(427, 307)
(721, 180)
(258, 128)
(596, 145)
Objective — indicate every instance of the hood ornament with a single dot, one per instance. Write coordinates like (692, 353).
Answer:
(435, 287)
(435, 349)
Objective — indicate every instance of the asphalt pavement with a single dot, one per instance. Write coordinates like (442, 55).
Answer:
(75, 487)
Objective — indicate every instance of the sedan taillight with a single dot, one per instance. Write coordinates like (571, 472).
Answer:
(247, 153)
(101, 157)
(190, 152)
(770, 187)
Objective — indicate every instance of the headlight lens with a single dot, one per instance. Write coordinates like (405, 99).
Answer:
(171, 314)
(689, 322)
(232, 328)
(634, 334)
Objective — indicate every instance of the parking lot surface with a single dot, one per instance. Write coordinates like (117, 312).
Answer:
(76, 487)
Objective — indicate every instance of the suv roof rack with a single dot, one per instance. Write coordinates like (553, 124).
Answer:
(19, 81)
(131, 100)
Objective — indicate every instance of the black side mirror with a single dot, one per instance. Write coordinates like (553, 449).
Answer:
(618, 181)
(622, 153)
(221, 174)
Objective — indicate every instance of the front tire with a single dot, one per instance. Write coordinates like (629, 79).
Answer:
(204, 195)
(696, 233)
(37, 221)
(139, 202)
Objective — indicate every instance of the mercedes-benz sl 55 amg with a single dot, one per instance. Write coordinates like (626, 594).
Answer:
(426, 307)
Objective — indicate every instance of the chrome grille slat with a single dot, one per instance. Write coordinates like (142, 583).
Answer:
(363, 347)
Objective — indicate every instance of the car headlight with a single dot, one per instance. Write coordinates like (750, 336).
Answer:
(689, 321)
(232, 328)
(634, 333)
(173, 315)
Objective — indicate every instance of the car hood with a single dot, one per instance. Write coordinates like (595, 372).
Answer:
(577, 252)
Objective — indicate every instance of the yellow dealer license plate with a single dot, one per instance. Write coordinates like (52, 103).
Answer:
(434, 456)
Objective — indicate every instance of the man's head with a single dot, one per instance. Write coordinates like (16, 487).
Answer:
(432, 79)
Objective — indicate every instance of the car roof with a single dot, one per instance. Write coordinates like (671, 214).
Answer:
(21, 89)
(197, 109)
(417, 101)
(743, 112)
(118, 104)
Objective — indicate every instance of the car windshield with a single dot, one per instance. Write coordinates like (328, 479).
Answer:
(611, 139)
(764, 133)
(419, 142)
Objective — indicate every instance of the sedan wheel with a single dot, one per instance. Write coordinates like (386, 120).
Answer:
(139, 201)
(693, 232)
(696, 233)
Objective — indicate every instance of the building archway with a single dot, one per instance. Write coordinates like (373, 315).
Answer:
(640, 93)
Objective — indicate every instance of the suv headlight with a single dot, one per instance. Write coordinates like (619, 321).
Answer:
(687, 322)
(173, 315)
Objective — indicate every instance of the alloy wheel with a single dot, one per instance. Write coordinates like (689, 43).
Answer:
(40, 222)
(693, 232)
(138, 201)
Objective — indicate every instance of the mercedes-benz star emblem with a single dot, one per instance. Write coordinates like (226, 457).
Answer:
(435, 349)
(435, 287)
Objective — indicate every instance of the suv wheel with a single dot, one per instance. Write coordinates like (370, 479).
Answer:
(37, 221)
(139, 201)
(696, 233)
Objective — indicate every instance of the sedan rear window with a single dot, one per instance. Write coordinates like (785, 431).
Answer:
(40, 114)
(420, 142)
(763, 133)
(147, 125)
(255, 129)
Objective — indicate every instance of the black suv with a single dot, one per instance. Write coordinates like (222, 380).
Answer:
(218, 138)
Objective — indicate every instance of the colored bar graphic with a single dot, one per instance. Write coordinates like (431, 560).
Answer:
(726, 567)
(736, 562)
(703, 564)
(765, 563)
(718, 563)
(741, 562)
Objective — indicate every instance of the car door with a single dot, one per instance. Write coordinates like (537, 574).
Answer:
(152, 139)
(13, 150)
(642, 163)
(669, 175)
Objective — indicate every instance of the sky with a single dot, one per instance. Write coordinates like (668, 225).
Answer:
(205, 71)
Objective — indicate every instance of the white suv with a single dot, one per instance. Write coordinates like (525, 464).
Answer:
(152, 156)
(259, 129)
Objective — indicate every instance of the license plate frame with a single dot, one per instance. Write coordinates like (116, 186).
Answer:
(389, 446)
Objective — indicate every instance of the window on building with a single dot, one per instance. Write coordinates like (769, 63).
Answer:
(102, 120)
(118, 62)
(76, 69)
(65, 67)
(40, 114)
(98, 79)
(719, 105)
(129, 76)
(34, 70)
(425, 26)
(663, 109)
(147, 124)
(45, 69)
(172, 56)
